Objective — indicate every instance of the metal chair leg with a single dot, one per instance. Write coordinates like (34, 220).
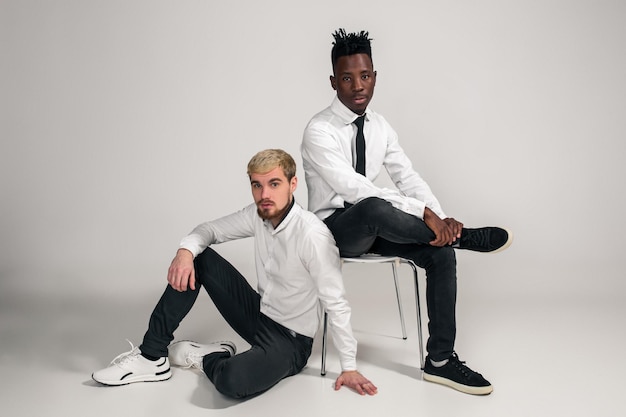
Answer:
(394, 267)
(323, 372)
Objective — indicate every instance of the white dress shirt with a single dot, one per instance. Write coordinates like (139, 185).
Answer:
(328, 155)
(298, 270)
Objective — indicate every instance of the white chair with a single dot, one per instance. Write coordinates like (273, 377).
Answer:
(395, 262)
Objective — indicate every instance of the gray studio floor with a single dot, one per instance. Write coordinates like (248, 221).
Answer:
(537, 352)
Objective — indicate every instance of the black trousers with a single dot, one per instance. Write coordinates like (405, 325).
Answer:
(373, 225)
(276, 352)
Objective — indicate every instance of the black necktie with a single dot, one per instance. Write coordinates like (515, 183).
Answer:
(360, 145)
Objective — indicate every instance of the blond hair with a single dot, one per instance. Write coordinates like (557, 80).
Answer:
(269, 159)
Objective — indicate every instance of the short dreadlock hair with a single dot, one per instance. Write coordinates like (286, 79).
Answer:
(350, 44)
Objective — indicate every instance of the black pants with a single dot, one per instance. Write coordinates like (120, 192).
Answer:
(374, 226)
(276, 352)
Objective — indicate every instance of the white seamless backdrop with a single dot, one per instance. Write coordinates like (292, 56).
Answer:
(123, 124)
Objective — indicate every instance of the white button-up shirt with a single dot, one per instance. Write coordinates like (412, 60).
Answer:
(298, 271)
(328, 155)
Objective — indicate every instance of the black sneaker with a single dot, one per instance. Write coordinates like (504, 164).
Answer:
(455, 374)
(485, 239)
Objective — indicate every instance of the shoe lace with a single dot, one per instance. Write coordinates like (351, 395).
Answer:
(193, 360)
(478, 238)
(460, 365)
(126, 357)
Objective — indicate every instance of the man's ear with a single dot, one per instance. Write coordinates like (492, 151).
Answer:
(294, 184)
(333, 84)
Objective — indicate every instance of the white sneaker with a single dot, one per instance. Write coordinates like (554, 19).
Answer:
(189, 354)
(131, 367)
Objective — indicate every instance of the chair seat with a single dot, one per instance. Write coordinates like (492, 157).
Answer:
(372, 258)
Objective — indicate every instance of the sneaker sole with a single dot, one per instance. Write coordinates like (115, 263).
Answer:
(459, 387)
(228, 343)
(154, 378)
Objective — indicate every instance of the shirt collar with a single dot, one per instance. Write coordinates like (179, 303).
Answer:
(346, 115)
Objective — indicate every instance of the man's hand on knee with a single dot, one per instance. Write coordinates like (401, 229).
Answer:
(181, 274)
(456, 227)
(446, 231)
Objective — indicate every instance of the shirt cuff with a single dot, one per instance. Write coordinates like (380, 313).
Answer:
(415, 207)
(191, 245)
(348, 364)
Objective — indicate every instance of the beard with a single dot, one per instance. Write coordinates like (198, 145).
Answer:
(271, 213)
